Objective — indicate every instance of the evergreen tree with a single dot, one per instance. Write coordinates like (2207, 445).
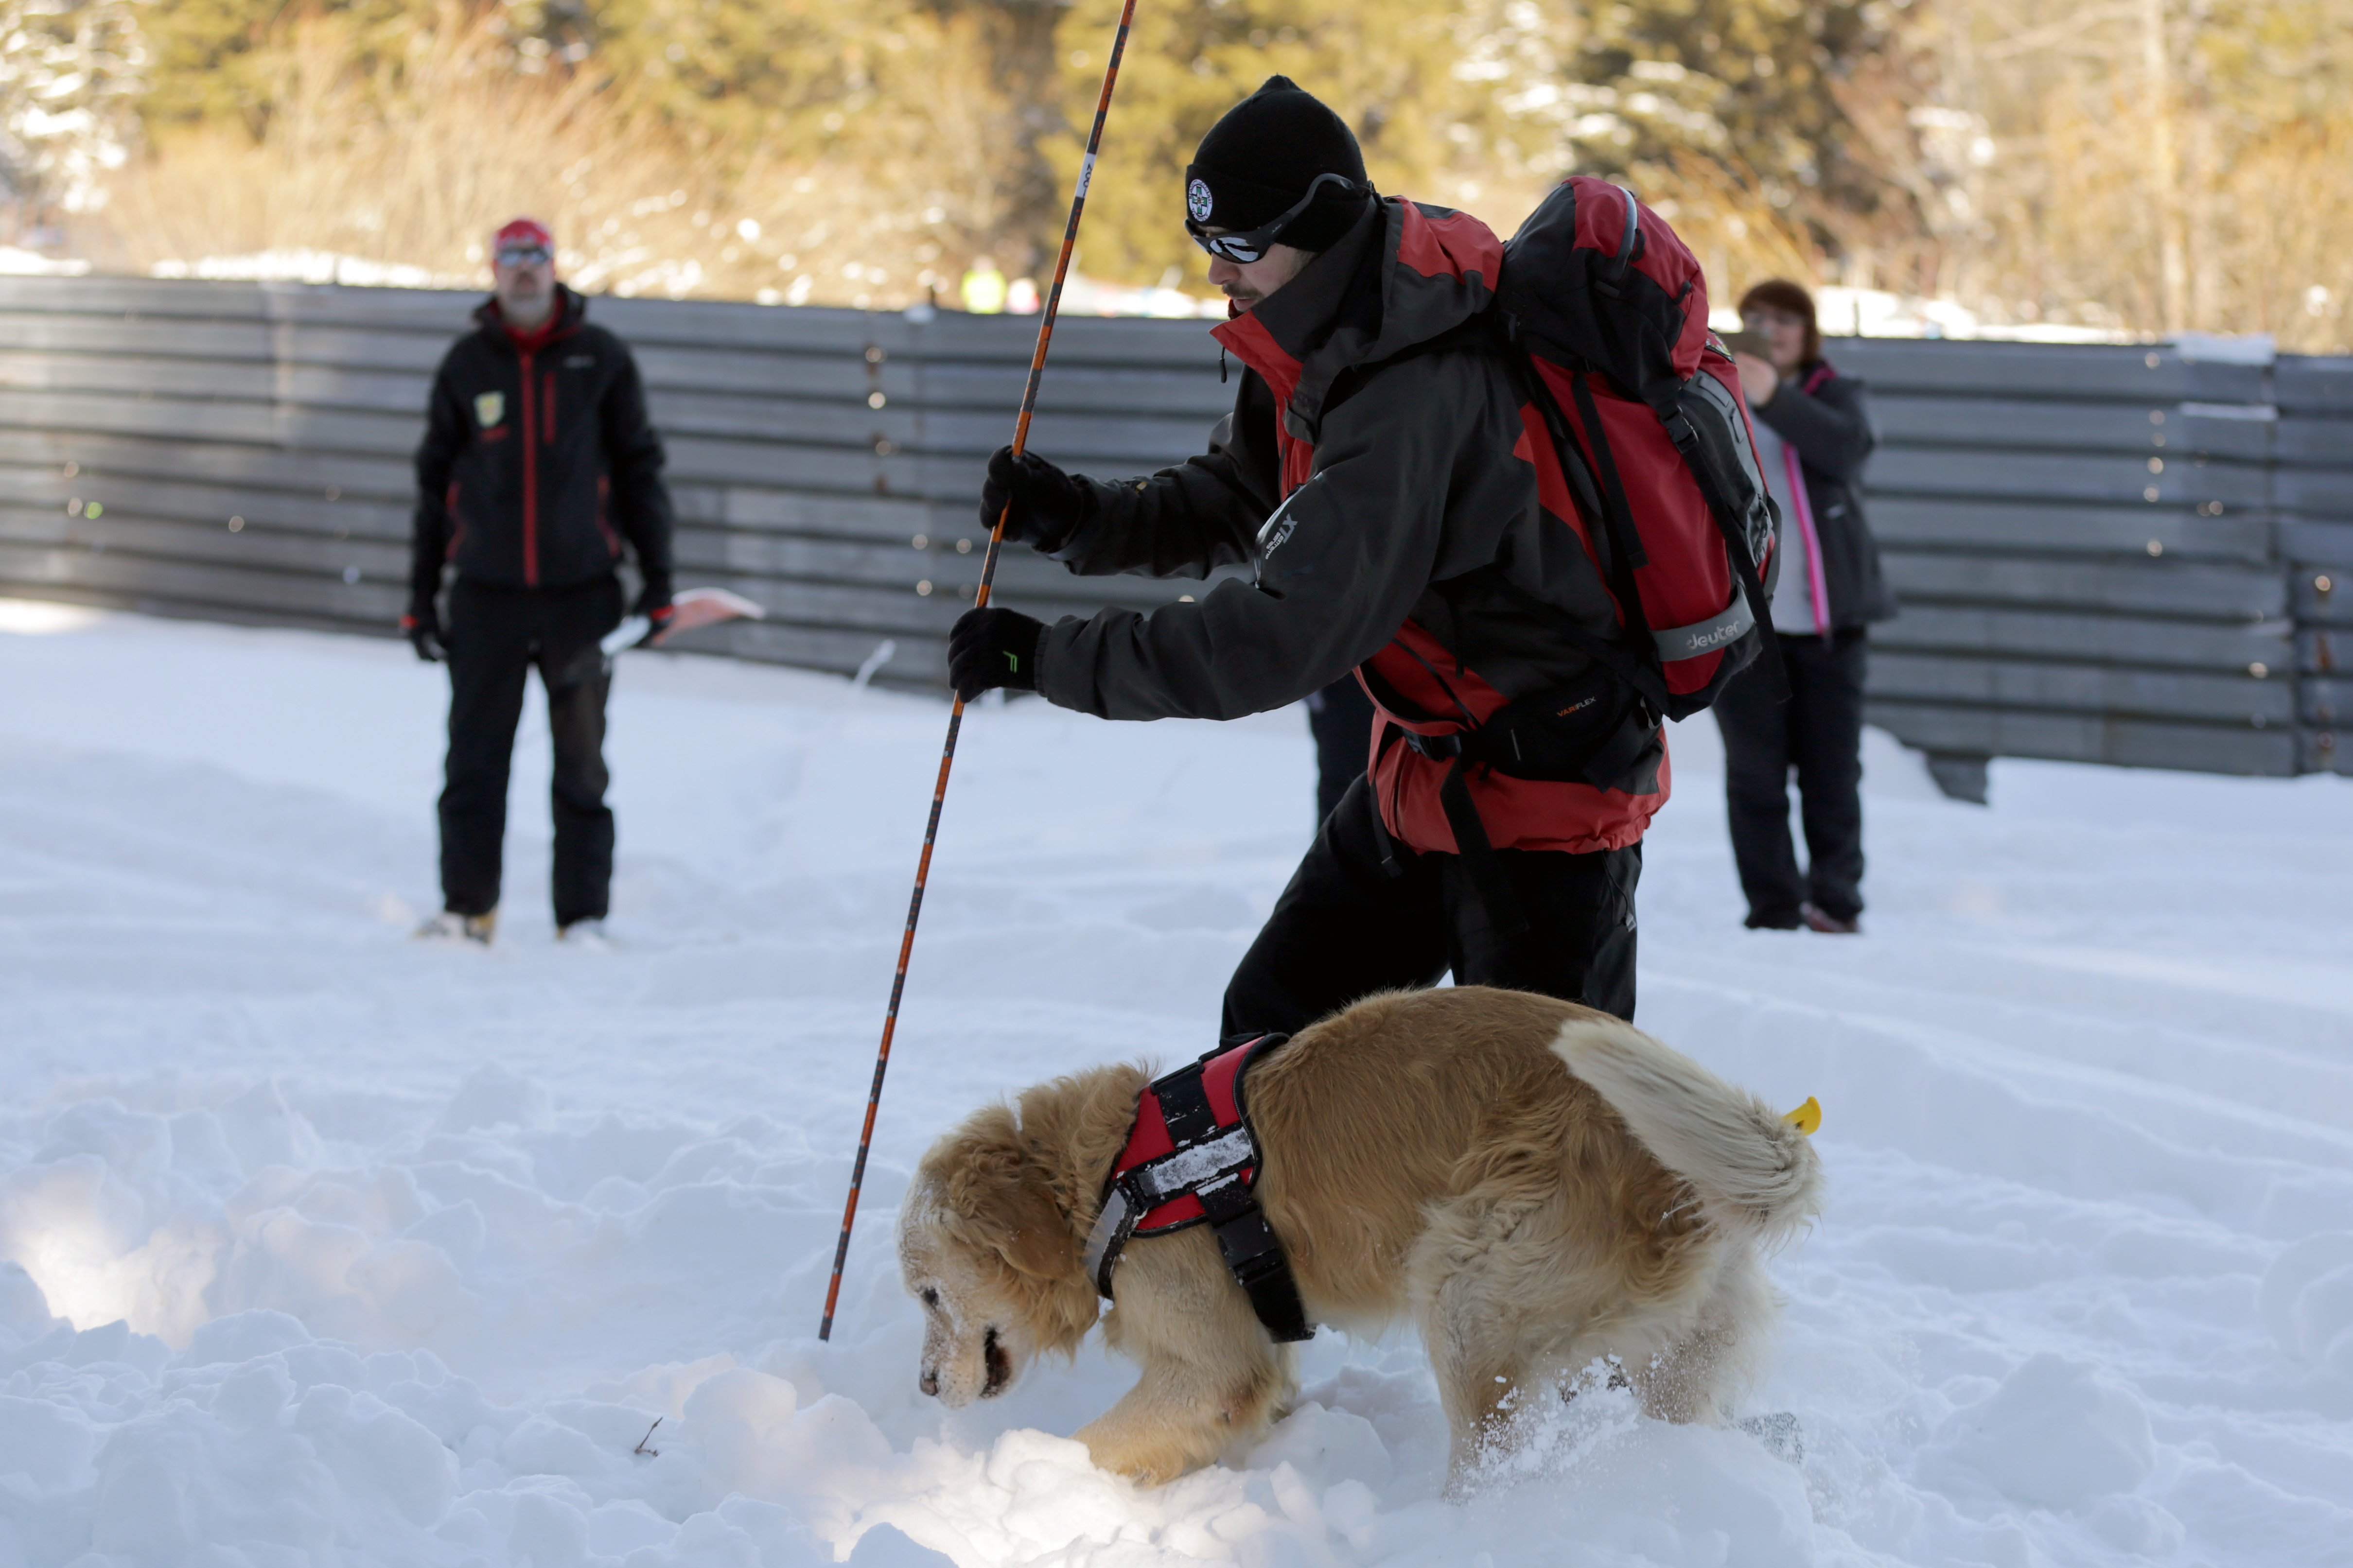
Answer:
(1756, 88)
(70, 70)
(210, 66)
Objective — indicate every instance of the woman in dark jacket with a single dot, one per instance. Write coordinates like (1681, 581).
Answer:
(1813, 433)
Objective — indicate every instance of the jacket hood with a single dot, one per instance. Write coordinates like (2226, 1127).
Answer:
(1404, 274)
(571, 310)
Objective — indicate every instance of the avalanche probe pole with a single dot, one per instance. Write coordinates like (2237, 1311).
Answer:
(956, 712)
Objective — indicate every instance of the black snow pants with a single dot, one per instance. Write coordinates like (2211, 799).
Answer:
(1819, 733)
(1344, 928)
(1340, 716)
(497, 634)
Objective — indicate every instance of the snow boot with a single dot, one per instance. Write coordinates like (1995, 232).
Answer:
(451, 926)
(1822, 920)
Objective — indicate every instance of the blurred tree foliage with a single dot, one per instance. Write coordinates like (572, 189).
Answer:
(1729, 115)
(813, 78)
(70, 70)
(1756, 94)
(2153, 165)
(1480, 104)
(1433, 93)
(209, 56)
(2109, 162)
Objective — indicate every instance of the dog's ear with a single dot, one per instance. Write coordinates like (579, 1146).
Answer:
(1033, 1236)
(995, 1200)
(1002, 1199)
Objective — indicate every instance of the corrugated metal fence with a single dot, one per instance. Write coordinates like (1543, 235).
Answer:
(2106, 554)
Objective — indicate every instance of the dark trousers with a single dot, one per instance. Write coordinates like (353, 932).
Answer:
(1340, 716)
(1818, 732)
(1344, 928)
(497, 636)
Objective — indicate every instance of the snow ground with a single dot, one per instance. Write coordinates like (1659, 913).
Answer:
(319, 1246)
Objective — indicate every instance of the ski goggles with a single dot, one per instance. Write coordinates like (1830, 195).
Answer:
(1251, 244)
(525, 253)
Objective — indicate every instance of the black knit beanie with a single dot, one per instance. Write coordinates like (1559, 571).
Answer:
(1260, 159)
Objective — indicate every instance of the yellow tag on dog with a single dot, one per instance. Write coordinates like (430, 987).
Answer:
(1806, 1117)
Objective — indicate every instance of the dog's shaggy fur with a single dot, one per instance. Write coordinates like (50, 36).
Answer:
(1425, 1153)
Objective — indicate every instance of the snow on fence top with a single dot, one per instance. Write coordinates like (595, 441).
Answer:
(2113, 554)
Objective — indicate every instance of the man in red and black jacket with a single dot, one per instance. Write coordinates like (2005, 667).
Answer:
(1402, 513)
(537, 463)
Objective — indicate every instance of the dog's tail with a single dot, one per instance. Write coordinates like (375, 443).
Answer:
(1756, 1173)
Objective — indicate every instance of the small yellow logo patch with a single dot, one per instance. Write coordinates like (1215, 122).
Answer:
(491, 407)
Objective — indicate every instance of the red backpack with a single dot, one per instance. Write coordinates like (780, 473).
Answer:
(1606, 314)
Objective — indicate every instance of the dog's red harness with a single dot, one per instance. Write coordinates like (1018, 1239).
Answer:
(1192, 1157)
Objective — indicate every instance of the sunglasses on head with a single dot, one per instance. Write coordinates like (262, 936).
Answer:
(524, 255)
(1250, 244)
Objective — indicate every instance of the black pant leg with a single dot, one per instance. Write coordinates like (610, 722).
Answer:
(1826, 743)
(1756, 731)
(1340, 716)
(1581, 938)
(1343, 930)
(489, 643)
(577, 683)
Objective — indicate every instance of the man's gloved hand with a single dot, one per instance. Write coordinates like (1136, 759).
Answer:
(653, 602)
(422, 628)
(994, 647)
(1048, 505)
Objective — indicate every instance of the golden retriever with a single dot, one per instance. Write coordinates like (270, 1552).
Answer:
(1536, 1182)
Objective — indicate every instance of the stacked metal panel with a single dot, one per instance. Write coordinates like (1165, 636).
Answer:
(2082, 542)
(2313, 490)
(2106, 553)
(242, 452)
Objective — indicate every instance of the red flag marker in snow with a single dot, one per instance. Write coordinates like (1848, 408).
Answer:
(955, 712)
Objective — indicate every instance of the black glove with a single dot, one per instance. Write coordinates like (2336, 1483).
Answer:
(994, 647)
(422, 628)
(654, 603)
(1048, 505)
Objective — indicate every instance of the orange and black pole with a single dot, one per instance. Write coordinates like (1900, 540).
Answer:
(956, 712)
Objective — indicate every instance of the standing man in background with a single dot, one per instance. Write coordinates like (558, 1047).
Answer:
(537, 462)
(1813, 435)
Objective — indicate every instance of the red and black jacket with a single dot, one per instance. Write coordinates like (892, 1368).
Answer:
(1404, 512)
(537, 460)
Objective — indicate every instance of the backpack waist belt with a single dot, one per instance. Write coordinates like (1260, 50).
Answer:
(1590, 732)
(1192, 1158)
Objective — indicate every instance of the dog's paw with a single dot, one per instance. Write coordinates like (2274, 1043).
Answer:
(1147, 1461)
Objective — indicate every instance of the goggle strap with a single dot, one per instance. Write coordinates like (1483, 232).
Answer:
(1257, 241)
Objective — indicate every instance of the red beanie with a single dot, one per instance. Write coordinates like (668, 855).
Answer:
(524, 231)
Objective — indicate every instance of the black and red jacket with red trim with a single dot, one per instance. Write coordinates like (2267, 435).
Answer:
(1404, 511)
(538, 460)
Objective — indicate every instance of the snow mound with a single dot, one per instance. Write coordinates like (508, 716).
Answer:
(2054, 1434)
(2307, 1300)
